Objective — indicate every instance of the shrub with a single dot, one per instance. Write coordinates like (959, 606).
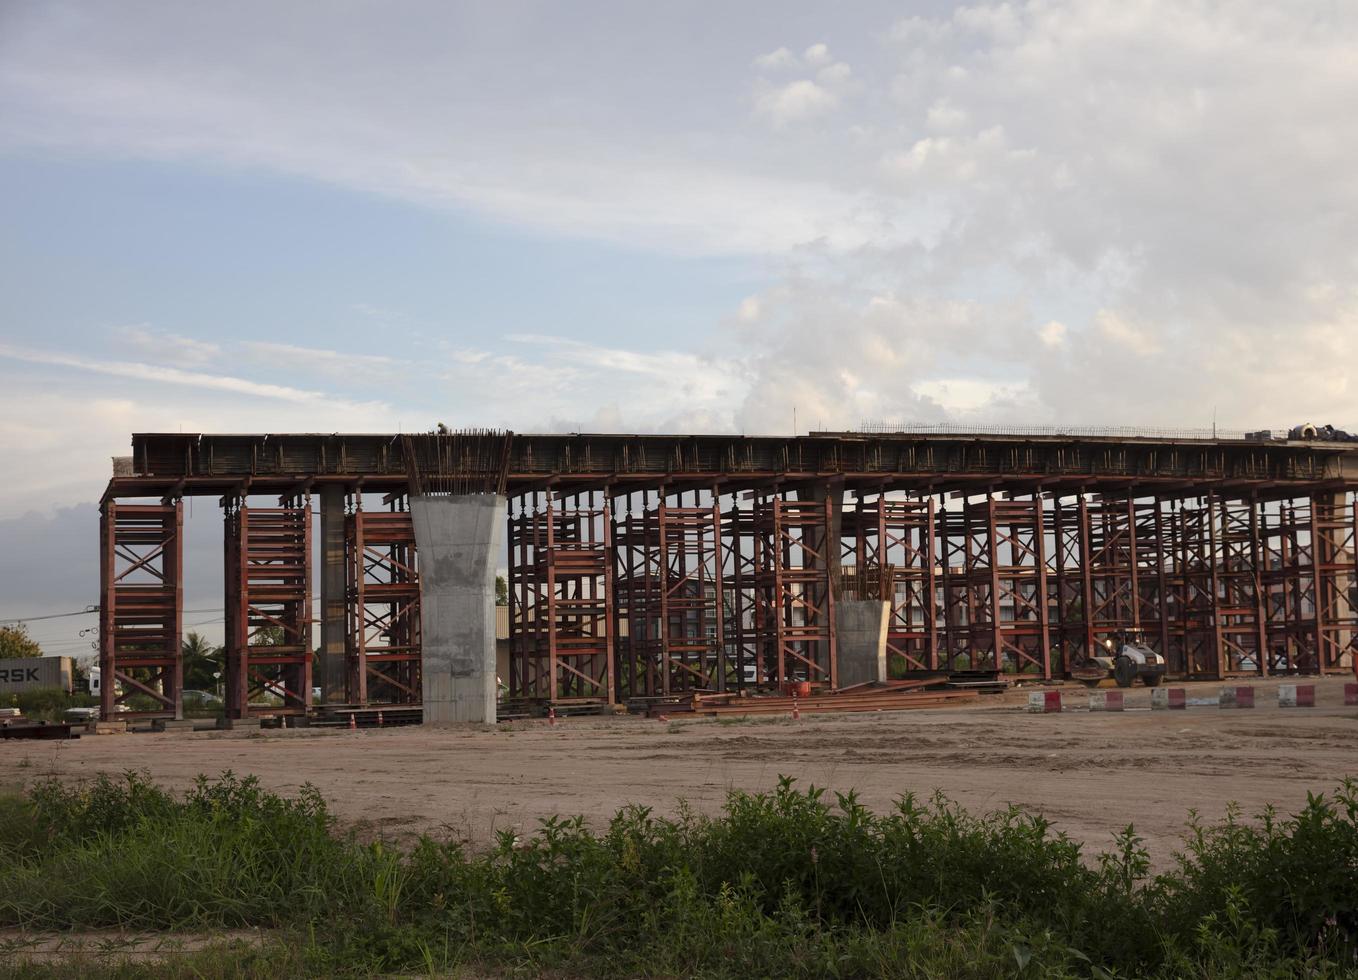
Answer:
(791, 882)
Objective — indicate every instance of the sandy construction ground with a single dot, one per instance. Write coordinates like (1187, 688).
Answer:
(1090, 773)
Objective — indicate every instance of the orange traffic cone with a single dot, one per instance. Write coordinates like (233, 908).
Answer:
(551, 715)
(796, 713)
(380, 722)
(353, 722)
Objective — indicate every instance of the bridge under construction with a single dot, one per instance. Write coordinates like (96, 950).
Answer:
(644, 566)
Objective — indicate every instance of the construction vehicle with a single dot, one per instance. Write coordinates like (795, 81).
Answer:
(1123, 660)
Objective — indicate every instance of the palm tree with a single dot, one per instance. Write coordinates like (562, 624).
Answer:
(202, 662)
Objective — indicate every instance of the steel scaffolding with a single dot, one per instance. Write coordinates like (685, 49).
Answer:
(268, 608)
(780, 561)
(141, 610)
(561, 599)
(669, 595)
(383, 651)
(889, 544)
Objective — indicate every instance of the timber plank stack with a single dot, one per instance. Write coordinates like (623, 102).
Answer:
(873, 696)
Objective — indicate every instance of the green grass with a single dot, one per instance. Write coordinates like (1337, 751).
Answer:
(789, 883)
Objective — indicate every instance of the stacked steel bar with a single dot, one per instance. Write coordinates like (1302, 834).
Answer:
(889, 696)
(561, 600)
(463, 462)
(141, 610)
(383, 652)
(268, 608)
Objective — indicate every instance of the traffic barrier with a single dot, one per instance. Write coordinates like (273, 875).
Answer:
(1168, 697)
(1044, 702)
(1236, 697)
(1351, 694)
(1296, 695)
(1105, 701)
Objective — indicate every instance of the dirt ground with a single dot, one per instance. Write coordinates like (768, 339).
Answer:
(1089, 773)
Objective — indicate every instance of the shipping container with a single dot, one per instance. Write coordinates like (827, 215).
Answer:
(34, 673)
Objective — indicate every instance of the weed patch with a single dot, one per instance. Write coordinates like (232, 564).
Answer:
(794, 882)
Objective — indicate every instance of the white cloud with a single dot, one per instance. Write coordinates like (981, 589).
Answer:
(172, 348)
(136, 371)
(1052, 333)
(816, 55)
(1050, 193)
(777, 59)
(834, 75)
(794, 102)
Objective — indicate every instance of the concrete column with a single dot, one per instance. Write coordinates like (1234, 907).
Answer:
(861, 632)
(459, 539)
(330, 669)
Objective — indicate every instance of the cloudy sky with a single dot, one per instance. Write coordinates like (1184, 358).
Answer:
(361, 215)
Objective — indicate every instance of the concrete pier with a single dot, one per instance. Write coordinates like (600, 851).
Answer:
(861, 631)
(459, 541)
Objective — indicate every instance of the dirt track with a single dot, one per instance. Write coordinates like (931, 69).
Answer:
(1089, 773)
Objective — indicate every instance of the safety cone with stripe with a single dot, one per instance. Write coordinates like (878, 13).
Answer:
(796, 712)
(551, 715)
(353, 722)
(380, 722)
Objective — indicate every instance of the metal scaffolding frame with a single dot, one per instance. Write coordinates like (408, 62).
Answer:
(561, 617)
(1288, 580)
(141, 610)
(889, 545)
(779, 567)
(383, 652)
(998, 553)
(994, 584)
(268, 607)
(669, 594)
(1334, 521)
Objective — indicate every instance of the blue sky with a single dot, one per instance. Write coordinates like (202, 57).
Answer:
(363, 216)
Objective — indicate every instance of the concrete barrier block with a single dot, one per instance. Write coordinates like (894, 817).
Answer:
(1351, 694)
(1044, 702)
(239, 724)
(1168, 697)
(1296, 695)
(107, 728)
(1105, 701)
(171, 725)
(1241, 696)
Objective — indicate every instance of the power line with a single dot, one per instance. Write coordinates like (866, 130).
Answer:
(87, 611)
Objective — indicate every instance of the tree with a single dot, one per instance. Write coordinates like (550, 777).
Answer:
(15, 642)
(201, 662)
(501, 591)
